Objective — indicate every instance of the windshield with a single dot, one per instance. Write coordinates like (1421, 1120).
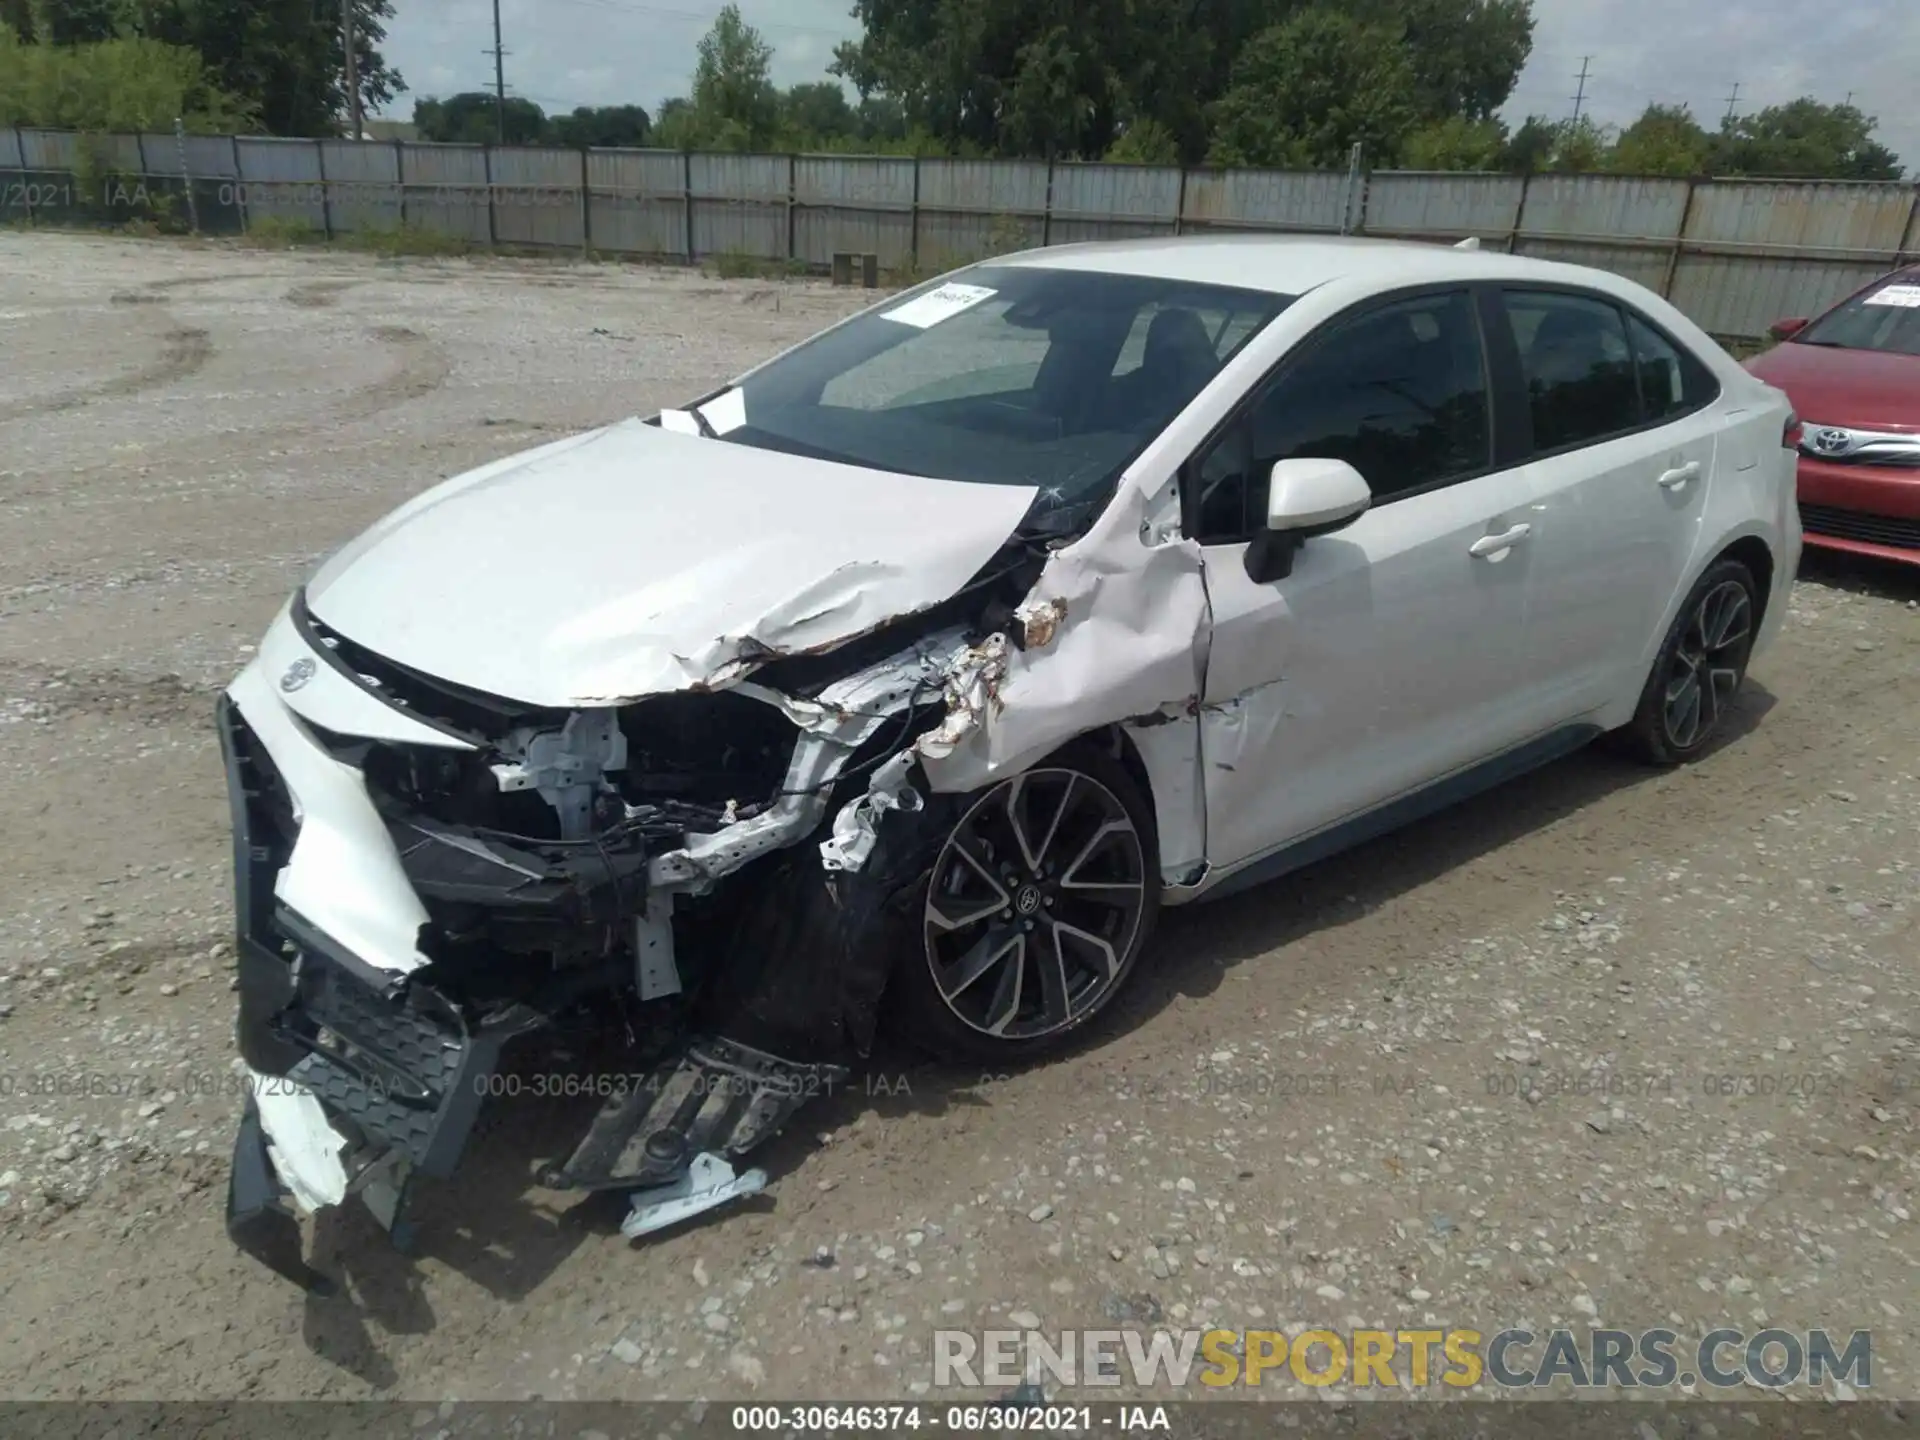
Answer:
(1000, 375)
(1885, 318)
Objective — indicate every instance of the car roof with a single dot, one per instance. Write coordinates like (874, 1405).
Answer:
(1295, 264)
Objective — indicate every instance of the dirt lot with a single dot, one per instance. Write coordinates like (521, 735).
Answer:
(1310, 1114)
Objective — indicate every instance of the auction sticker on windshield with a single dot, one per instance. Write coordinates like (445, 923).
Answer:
(1905, 296)
(936, 305)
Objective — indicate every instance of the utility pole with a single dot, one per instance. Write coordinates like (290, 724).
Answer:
(1580, 96)
(353, 67)
(1732, 100)
(499, 77)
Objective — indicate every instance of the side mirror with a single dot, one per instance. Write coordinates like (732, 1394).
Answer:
(1781, 329)
(1305, 498)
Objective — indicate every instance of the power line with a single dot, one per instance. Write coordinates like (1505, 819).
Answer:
(1580, 95)
(1732, 100)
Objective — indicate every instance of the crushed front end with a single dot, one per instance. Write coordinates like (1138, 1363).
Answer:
(424, 873)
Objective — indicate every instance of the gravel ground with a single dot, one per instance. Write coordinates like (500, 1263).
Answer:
(1351, 1099)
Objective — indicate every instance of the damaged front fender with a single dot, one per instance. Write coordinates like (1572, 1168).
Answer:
(1114, 632)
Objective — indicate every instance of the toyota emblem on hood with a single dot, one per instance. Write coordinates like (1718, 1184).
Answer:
(1831, 441)
(297, 675)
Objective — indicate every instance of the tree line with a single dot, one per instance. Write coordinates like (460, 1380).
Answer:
(275, 67)
(1288, 83)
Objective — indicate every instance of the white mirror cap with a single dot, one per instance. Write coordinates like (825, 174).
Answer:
(1472, 242)
(1306, 493)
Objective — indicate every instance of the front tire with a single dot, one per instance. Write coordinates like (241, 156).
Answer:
(1038, 896)
(1699, 670)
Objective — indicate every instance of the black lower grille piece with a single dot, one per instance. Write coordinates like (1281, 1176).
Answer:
(717, 1096)
(1894, 530)
(407, 1070)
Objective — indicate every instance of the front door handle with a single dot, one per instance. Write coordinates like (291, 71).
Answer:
(1678, 477)
(1495, 545)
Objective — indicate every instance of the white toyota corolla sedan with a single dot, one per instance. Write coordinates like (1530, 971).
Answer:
(906, 677)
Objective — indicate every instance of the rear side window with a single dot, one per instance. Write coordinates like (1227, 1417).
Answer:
(1578, 367)
(1595, 369)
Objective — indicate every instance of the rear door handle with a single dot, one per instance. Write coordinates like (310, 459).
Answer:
(1678, 477)
(1499, 544)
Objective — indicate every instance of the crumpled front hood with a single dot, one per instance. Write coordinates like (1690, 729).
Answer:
(635, 561)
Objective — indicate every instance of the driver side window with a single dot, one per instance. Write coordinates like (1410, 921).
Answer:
(1399, 392)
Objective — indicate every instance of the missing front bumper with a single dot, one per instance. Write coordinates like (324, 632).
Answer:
(380, 1046)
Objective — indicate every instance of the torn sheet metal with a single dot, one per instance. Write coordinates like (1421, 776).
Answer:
(1122, 628)
(617, 587)
(856, 826)
(305, 1148)
(844, 717)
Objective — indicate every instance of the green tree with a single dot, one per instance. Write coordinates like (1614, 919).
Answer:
(880, 118)
(285, 57)
(1306, 90)
(609, 126)
(473, 118)
(1530, 147)
(74, 22)
(16, 20)
(1466, 54)
(1580, 147)
(1456, 143)
(1665, 140)
(1056, 91)
(1568, 146)
(673, 123)
(1071, 76)
(1145, 142)
(113, 85)
(817, 113)
(1805, 138)
(733, 105)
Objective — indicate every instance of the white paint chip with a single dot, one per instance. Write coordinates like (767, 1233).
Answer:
(924, 311)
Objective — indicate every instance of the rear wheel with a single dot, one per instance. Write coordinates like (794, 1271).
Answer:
(1039, 895)
(1699, 670)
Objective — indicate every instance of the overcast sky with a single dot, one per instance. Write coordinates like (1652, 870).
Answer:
(563, 53)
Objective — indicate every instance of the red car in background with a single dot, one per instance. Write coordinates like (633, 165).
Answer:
(1853, 376)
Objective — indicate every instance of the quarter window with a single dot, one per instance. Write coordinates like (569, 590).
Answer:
(1578, 367)
(1399, 392)
(1672, 382)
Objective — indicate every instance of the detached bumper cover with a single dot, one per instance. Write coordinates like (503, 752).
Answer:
(389, 1062)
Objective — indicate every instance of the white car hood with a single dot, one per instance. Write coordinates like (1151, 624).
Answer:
(634, 561)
